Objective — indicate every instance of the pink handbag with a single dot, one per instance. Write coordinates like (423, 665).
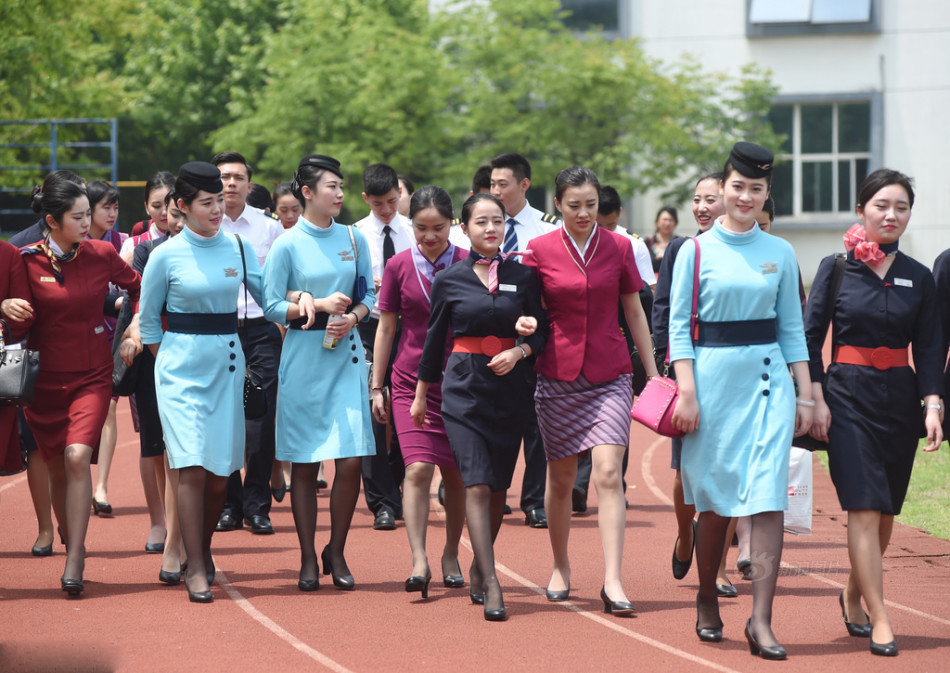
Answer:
(654, 406)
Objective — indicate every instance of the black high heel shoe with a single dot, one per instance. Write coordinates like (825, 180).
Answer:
(417, 583)
(101, 508)
(74, 587)
(495, 614)
(343, 582)
(456, 581)
(619, 608)
(42, 551)
(888, 650)
(309, 585)
(200, 596)
(776, 653)
(708, 634)
(279, 493)
(854, 630)
(170, 578)
(681, 568)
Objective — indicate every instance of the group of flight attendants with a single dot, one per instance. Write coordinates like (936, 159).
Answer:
(483, 340)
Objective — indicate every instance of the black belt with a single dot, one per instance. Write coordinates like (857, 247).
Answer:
(202, 323)
(319, 322)
(252, 322)
(737, 333)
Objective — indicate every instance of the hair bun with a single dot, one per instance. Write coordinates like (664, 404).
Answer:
(37, 199)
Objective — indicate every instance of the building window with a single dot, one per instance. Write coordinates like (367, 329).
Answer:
(608, 16)
(826, 155)
(770, 18)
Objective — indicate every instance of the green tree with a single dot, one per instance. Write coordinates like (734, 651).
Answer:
(194, 66)
(58, 59)
(360, 80)
(530, 85)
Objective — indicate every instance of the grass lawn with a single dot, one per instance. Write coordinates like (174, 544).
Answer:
(929, 492)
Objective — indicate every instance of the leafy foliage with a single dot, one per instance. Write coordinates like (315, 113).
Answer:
(433, 93)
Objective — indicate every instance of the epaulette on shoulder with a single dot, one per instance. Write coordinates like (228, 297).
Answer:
(456, 222)
(549, 218)
(633, 234)
(272, 215)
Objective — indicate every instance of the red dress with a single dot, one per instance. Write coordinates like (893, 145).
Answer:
(13, 283)
(75, 382)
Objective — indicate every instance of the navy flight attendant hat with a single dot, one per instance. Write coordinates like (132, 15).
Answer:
(751, 160)
(202, 176)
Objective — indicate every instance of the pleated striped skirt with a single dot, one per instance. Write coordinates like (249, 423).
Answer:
(575, 416)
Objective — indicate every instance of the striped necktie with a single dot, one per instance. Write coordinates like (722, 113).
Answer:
(511, 238)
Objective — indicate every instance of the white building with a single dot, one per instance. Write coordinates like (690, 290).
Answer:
(863, 84)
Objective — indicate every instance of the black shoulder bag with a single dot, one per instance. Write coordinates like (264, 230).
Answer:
(255, 400)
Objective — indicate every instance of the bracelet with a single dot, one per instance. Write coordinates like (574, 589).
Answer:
(934, 406)
(357, 321)
(805, 403)
(524, 353)
(375, 388)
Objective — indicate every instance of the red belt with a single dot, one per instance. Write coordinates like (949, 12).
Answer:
(489, 345)
(880, 358)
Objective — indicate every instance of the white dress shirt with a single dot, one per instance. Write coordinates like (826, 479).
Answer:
(260, 231)
(528, 225)
(642, 256)
(401, 234)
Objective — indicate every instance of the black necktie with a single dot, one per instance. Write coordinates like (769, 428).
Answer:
(389, 248)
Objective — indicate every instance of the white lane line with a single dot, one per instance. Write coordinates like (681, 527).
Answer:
(647, 472)
(892, 604)
(11, 484)
(614, 626)
(275, 628)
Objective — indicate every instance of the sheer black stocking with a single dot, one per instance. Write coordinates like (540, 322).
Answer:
(343, 497)
(710, 540)
(765, 545)
(303, 503)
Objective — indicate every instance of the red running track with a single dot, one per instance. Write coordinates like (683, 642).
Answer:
(127, 621)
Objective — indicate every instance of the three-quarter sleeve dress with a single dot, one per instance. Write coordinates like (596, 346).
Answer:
(74, 387)
(875, 413)
(322, 395)
(406, 291)
(484, 414)
(736, 463)
(199, 378)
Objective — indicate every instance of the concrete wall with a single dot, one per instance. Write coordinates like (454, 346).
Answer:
(907, 62)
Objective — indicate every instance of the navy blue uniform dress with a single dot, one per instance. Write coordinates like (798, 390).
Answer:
(484, 414)
(875, 414)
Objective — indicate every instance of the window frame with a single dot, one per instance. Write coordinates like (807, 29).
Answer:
(798, 219)
(623, 23)
(760, 30)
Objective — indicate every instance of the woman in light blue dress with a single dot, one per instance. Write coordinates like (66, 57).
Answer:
(199, 364)
(737, 400)
(323, 399)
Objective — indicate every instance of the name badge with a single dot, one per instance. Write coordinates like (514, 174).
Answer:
(903, 282)
(47, 279)
(100, 329)
(505, 287)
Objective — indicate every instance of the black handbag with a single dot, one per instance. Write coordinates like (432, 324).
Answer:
(124, 377)
(18, 372)
(255, 399)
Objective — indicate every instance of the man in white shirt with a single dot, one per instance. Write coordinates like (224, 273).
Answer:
(387, 233)
(249, 503)
(510, 180)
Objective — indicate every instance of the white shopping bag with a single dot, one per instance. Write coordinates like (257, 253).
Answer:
(798, 515)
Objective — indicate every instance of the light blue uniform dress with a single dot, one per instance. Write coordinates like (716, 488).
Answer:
(736, 464)
(323, 395)
(199, 378)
